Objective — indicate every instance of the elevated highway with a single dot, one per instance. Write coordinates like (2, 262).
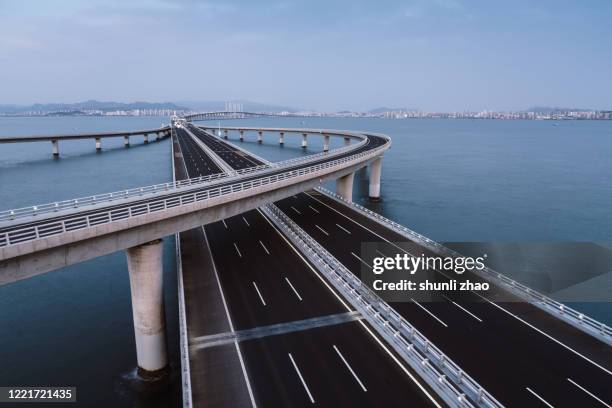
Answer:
(253, 285)
(41, 238)
(159, 133)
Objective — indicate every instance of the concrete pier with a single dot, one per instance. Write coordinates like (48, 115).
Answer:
(146, 138)
(98, 144)
(326, 143)
(344, 187)
(225, 133)
(281, 138)
(259, 137)
(375, 173)
(242, 135)
(158, 137)
(304, 140)
(146, 284)
(126, 141)
(347, 141)
(55, 147)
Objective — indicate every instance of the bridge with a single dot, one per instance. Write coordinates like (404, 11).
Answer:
(159, 133)
(272, 307)
(223, 115)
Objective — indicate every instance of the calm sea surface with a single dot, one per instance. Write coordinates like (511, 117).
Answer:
(514, 185)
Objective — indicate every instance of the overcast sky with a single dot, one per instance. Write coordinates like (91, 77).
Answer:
(442, 55)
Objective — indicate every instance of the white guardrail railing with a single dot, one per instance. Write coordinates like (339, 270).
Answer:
(8, 215)
(105, 216)
(579, 320)
(449, 381)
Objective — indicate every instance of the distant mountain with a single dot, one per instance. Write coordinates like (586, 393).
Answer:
(247, 106)
(88, 105)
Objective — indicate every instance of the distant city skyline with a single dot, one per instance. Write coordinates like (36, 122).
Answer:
(431, 55)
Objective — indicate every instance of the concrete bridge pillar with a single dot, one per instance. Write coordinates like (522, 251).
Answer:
(344, 187)
(98, 144)
(225, 133)
(146, 285)
(326, 143)
(347, 141)
(55, 147)
(126, 141)
(157, 137)
(242, 135)
(281, 139)
(146, 138)
(259, 137)
(304, 140)
(375, 172)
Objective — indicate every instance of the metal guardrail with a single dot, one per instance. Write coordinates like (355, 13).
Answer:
(183, 339)
(9, 215)
(105, 216)
(451, 383)
(579, 320)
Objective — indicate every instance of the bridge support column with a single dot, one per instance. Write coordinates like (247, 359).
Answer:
(225, 133)
(157, 137)
(347, 141)
(375, 172)
(146, 138)
(242, 135)
(326, 143)
(55, 147)
(259, 137)
(344, 187)
(304, 140)
(281, 139)
(126, 141)
(146, 285)
(98, 144)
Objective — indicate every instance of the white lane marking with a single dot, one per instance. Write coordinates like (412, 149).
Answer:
(350, 369)
(259, 293)
(363, 325)
(590, 393)
(322, 230)
(295, 209)
(476, 293)
(545, 334)
(462, 308)
(538, 397)
(264, 247)
(343, 229)
(297, 370)
(246, 222)
(361, 260)
(431, 314)
(294, 291)
(237, 250)
(381, 253)
(314, 209)
(223, 221)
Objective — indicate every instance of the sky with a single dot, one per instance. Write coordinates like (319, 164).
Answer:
(433, 55)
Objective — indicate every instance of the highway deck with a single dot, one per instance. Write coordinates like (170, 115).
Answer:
(263, 281)
(512, 348)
